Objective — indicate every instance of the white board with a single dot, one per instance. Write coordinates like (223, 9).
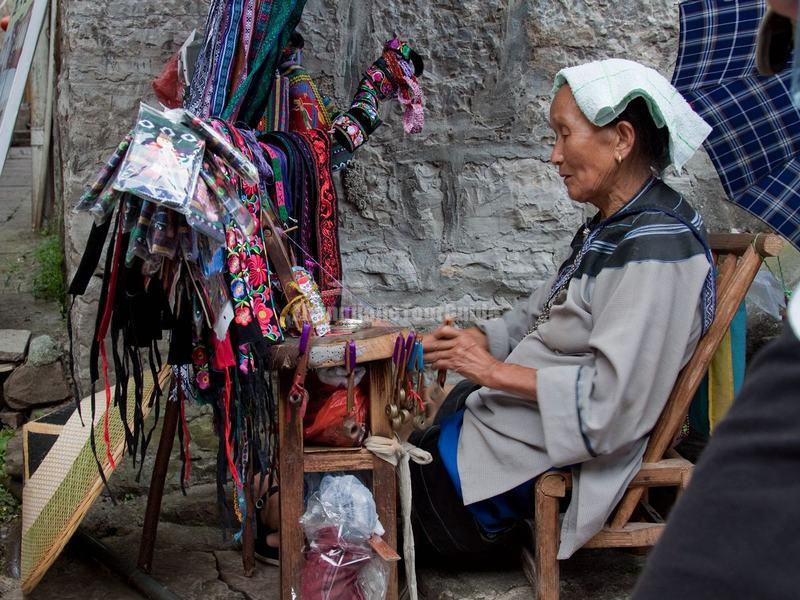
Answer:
(19, 44)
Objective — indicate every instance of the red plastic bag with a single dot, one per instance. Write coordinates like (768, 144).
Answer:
(168, 86)
(327, 422)
(332, 567)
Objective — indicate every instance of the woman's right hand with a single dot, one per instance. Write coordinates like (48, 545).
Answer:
(429, 339)
(464, 351)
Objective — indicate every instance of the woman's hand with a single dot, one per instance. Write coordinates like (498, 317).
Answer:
(464, 351)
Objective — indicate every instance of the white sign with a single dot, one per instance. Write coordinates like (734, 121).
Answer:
(19, 45)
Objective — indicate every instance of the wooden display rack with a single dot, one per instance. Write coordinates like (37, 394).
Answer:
(375, 347)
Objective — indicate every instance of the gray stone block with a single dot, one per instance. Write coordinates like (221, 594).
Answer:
(43, 351)
(12, 418)
(14, 345)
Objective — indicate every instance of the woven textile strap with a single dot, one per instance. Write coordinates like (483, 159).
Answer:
(399, 454)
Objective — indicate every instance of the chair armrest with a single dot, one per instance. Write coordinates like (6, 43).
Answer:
(664, 473)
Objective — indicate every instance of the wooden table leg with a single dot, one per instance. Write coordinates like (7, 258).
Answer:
(156, 491)
(290, 472)
(384, 487)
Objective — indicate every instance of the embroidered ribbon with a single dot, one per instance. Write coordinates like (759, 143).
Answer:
(399, 454)
(224, 66)
(205, 59)
(252, 94)
(277, 182)
(241, 63)
(103, 329)
(328, 254)
(409, 93)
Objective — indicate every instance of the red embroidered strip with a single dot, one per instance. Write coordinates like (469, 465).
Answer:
(330, 259)
(102, 330)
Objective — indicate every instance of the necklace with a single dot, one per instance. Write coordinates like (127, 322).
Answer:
(558, 291)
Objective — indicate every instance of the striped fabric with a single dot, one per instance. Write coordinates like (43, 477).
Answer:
(724, 379)
(656, 225)
(756, 138)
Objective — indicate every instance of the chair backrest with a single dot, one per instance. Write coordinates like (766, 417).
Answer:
(739, 258)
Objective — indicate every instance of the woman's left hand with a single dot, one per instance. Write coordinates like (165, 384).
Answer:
(459, 351)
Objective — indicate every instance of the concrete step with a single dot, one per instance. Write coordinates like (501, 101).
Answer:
(22, 127)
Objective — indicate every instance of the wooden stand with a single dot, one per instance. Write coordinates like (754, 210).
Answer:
(375, 347)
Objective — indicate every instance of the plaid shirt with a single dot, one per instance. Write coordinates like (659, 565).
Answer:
(756, 138)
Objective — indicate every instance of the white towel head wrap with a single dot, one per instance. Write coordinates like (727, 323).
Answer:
(603, 89)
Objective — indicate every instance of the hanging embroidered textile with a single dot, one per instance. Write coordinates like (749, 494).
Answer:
(220, 221)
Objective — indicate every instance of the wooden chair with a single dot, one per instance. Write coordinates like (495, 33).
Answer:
(739, 257)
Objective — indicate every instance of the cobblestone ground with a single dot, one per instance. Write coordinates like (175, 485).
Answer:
(194, 560)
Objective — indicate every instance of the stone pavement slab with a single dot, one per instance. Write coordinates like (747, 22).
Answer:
(263, 585)
(14, 344)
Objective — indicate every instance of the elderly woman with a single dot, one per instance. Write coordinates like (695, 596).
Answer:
(576, 375)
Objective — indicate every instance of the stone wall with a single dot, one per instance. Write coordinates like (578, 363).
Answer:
(109, 54)
(469, 212)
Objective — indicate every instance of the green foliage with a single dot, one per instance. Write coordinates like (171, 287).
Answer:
(48, 283)
(9, 507)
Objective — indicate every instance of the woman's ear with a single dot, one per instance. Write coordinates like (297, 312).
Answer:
(626, 138)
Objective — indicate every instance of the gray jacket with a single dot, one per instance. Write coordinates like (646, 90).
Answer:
(606, 362)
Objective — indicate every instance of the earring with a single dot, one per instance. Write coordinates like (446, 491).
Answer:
(619, 159)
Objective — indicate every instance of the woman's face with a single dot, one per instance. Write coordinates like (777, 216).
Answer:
(583, 152)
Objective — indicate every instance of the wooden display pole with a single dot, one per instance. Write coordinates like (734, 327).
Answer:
(156, 491)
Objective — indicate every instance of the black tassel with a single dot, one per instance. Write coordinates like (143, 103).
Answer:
(93, 445)
(122, 370)
(76, 389)
(156, 408)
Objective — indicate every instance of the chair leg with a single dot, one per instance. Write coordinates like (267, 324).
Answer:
(546, 546)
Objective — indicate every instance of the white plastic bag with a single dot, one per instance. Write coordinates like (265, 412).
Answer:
(340, 517)
(767, 294)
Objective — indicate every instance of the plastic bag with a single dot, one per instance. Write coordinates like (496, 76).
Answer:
(222, 189)
(204, 215)
(767, 294)
(345, 502)
(163, 161)
(222, 148)
(104, 207)
(336, 377)
(340, 518)
(328, 423)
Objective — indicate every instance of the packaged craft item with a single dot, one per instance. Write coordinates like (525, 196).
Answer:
(205, 215)
(163, 160)
(222, 147)
(220, 187)
(340, 517)
(105, 176)
(104, 205)
(312, 300)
